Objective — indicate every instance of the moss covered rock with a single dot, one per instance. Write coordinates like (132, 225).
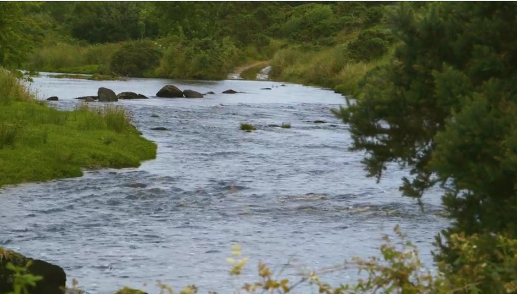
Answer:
(54, 277)
(127, 290)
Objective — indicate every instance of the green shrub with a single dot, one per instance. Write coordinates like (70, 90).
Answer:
(369, 45)
(206, 58)
(286, 126)
(248, 127)
(310, 22)
(135, 58)
(127, 290)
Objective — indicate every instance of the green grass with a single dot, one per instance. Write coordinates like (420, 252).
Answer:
(81, 69)
(38, 142)
(248, 127)
(71, 76)
(326, 67)
(71, 58)
(94, 77)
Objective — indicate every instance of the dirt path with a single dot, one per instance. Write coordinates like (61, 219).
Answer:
(242, 68)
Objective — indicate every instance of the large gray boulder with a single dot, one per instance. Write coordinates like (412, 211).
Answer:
(170, 91)
(192, 94)
(54, 277)
(106, 95)
(130, 95)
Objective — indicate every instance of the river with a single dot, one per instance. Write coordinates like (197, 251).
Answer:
(294, 198)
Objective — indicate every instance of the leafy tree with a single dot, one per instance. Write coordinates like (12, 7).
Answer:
(135, 58)
(17, 32)
(370, 44)
(446, 109)
(189, 19)
(310, 22)
(103, 22)
(249, 23)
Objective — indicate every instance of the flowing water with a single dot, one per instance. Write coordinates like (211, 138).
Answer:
(295, 198)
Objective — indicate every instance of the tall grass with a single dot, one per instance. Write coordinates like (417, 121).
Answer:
(327, 67)
(113, 118)
(69, 58)
(38, 142)
(11, 89)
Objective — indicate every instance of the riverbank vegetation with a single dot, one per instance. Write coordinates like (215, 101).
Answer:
(435, 89)
(330, 44)
(38, 142)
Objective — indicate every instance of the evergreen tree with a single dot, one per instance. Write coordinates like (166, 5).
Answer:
(446, 109)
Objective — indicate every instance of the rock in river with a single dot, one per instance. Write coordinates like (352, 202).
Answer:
(106, 95)
(130, 95)
(169, 91)
(229, 91)
(192, 94)
(54, 277)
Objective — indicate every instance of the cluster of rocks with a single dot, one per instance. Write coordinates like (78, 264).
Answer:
(168, 91)
(106, 95)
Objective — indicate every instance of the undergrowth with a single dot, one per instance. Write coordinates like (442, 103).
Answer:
(398, 269)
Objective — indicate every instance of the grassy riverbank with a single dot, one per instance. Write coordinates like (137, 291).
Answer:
(39, 143)
(325, 68)
(160, 58)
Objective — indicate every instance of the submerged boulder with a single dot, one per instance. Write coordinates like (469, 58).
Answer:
(159, 129)
(130, 95)
(210, 93)
(87, 97)
(169, 91)
(53, 98)
(106, 95)
(54, 277)
(229, 91)
(192, 94)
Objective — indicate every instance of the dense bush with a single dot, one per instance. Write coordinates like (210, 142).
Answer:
(199, 58)
(103, 22)
(135, 58)
(308, 23)
(369, 45)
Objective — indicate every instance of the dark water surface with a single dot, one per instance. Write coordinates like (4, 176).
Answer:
(294, 195)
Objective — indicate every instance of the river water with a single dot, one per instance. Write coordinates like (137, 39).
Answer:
(294, 198)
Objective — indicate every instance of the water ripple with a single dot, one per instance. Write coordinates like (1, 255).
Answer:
(281, 193)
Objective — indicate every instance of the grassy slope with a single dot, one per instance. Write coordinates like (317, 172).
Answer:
(326, 68)
(40, 143)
